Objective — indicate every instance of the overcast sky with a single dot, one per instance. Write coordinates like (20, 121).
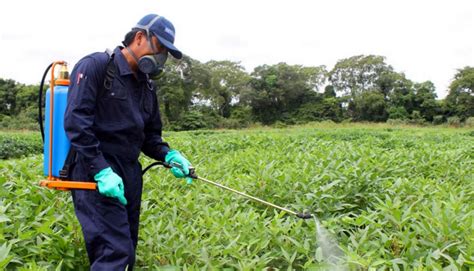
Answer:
(427, 40)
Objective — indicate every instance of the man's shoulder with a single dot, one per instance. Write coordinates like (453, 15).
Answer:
(92, 65)
(97, 60)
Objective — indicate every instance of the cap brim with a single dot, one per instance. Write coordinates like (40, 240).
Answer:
(171, 48)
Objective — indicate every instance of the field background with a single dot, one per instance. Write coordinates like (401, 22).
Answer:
(395, 198)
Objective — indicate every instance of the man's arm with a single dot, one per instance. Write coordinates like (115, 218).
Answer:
(79, 116)
(154, 146)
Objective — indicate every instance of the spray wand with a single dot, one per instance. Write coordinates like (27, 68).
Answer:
(192, 174)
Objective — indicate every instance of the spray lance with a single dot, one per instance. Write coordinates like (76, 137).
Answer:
(192, 174)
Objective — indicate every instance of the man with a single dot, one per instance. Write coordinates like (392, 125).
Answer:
(112, 115)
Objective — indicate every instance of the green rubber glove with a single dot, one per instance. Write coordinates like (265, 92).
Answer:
(174, 156)
(110, 185)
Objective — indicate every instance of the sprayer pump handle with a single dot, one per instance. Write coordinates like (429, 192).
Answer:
(192, 170)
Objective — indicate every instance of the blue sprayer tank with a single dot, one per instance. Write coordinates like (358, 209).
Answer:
(60, 142)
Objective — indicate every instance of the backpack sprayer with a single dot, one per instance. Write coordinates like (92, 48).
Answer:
(56, 144)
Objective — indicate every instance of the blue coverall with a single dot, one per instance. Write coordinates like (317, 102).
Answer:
(110, 128)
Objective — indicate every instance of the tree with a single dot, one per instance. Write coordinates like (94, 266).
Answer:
(329, 92)
(8, 92)
(179, 84)
(460, 100)
(279, 90)
(354, 75)
(400, 94)
(227, 81)
(321, 109)
(370, 106)
(424, 100)
(27, 96)
(397, 112)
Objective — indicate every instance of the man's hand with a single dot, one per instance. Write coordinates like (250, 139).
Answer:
(174, 156)
(110, 185)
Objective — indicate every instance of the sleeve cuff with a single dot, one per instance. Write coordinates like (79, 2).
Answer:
(97, 164)
(163, 152)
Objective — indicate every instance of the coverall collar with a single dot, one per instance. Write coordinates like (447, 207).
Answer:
(123, 67)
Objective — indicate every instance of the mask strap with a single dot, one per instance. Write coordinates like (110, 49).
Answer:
(159, 57)
(148, 34)
(151, 45)
(132, 54)
(147, 27)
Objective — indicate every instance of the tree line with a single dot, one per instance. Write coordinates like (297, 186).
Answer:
(221, 94)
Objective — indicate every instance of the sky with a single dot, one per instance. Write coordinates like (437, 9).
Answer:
(426, 40)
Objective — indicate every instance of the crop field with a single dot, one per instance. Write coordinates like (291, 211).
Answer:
(390, 198)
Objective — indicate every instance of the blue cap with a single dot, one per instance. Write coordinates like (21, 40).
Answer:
(163, 31)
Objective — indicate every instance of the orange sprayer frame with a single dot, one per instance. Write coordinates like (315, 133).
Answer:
(53, 182)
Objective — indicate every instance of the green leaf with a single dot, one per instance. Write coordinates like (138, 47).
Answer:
(378, 262)
(4, 218)
(4, 251)
(319, 254)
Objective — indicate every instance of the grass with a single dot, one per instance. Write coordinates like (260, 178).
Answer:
(395, 198)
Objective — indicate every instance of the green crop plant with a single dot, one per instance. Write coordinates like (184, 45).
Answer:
(18, 144)
(393, 198)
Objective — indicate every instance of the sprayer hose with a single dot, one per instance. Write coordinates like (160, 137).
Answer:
(40, 101)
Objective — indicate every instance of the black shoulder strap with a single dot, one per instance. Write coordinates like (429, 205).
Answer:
(150, 84)
(109, 71)
(68, 164)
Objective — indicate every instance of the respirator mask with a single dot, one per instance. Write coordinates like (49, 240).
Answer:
(152, 65)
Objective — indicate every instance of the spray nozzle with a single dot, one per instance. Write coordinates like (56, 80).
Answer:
(304, 215)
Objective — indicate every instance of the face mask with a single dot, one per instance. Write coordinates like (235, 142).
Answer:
(152, 65)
